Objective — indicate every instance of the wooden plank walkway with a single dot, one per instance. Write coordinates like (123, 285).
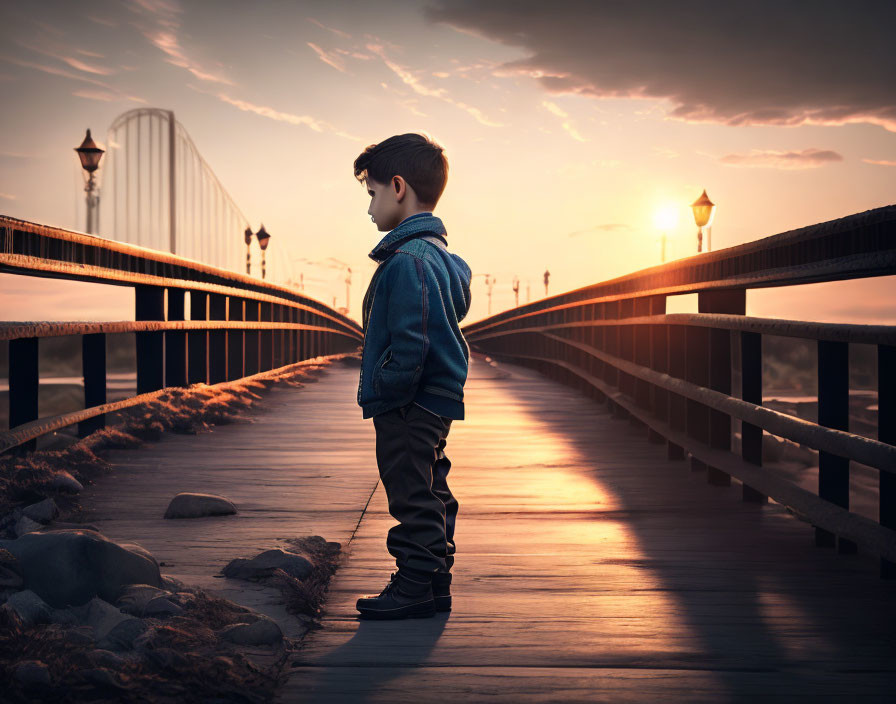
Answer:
(590, 568)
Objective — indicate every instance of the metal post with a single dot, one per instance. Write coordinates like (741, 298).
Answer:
(235, 342)
(172, 190)
(833, 412)
(658, 356)
(251, 339)
(267, 338)
(886, 432)
(24, 381)
(697, 360)
(93, 366)
(751, 390)
(217, 339)
(175, 342)
(198, 339)
(150, 305)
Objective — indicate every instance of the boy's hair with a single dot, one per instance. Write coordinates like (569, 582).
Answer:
(414, 157)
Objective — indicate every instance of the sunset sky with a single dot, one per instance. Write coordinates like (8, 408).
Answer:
(567, 126)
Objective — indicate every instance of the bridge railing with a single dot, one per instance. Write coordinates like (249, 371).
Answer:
(238, 325)
(673, 372)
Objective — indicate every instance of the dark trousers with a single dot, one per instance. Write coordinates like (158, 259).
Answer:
(410, 453)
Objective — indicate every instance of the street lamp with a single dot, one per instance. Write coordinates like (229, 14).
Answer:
(547, 278)
(248, 237)
(90, 156)
(704, 209)
(263, 238)
(516, 291)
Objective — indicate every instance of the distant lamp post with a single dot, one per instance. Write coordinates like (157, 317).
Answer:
(516, 291)
(665, 220)
(547, 279)
(248, 237)
(90, 156)
(263, 238)
(703, 209)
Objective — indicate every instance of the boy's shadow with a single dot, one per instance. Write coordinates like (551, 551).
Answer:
(379, 652)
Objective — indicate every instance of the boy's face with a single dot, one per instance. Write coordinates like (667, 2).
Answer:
(385, 209)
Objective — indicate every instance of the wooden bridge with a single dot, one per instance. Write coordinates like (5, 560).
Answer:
(613, 545)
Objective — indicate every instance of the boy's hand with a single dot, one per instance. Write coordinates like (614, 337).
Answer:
(406, 321)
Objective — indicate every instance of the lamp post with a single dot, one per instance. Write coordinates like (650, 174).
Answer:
(90, 156)
(516, 291)
(248, 237)
(703, 209)
(547, 278)
(263, 238)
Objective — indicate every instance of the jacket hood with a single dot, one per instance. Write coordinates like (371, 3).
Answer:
(410, 227)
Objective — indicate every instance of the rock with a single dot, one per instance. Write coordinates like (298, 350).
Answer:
(124, 635)
(266, 562)
(100, 615)
(65, 482)
(32, 673)
(134, 597)
(70, 567)
(264, 631)
(80, 635)
(64, 525)
(166, 658)
(100, 676)
(160, 606)
(106, 657)
(187, 505)
(26, 525)
(8, 578)
(42, 512)
(66, 617)
(173, 584)
(30, 607)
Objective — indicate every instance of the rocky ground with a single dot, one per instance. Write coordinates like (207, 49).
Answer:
(85, 619)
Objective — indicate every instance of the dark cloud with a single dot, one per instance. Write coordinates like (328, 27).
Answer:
(770, 158)
(764, 62)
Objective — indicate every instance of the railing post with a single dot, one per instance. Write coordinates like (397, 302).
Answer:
(833, 412)
(676, 364)
(235, 339)
(24, 382)
(886, 432)
(697, 362)
(251, 339)
(658, 358)
(93, 366)
(751, 391)
(264, 363)
(175, 342)
(217, 339)
(197, 340)
(641, 339)
(149, 305)
(733, 302)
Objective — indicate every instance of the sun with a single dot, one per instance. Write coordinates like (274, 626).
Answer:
(666, 217)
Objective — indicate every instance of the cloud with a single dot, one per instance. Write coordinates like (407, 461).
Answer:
(337, 32)
(769, 158)
(8, 196)
(599, 229)
(163, 17)
(287, 117)
(87, 68)
(414, 83)
(328, 58)
(566, 124)
(106, 96)
(781, 63)
(881, 162)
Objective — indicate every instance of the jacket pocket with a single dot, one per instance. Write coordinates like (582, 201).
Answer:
(380, 363)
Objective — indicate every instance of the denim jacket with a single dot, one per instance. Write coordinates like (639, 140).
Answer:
(414, 350)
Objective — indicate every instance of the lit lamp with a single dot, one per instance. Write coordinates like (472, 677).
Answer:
(248, 237)
(263, 238)
(703, 209)
(90, 156)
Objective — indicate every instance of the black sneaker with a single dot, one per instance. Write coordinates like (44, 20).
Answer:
(403, 597)
(441, 590)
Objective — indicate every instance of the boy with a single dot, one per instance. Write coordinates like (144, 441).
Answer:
(413, 368)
